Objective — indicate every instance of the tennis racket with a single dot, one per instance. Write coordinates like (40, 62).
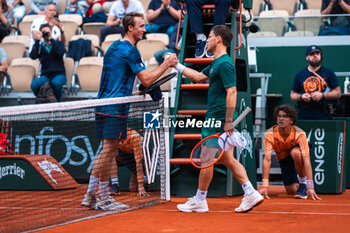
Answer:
(210, 149)
(158, 83)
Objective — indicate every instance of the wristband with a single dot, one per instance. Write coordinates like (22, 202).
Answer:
(310, 184)
(180, 68)
(265, 183)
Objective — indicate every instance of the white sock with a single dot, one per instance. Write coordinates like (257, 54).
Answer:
(201, 36)
(115, 180)
(248, 188)
(302, 180)
(201, 195)
(103, 188)
(93, 182)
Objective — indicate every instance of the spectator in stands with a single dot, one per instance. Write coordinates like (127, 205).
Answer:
(77, 7)
(39, 6)
(337, 7)
(292, 150)
(50, 52)
(196, 24)
(116, 15)
(162, 16)
(3, 60)
(54, 22)
(314, 87)
(3, 64)
(6, 18)
(19, 9)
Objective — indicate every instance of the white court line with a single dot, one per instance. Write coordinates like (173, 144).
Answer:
(268, 212)
(313, 204)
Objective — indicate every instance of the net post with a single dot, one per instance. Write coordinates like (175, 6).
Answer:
(167, 147)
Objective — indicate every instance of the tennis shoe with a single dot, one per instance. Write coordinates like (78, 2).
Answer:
(193, 205)
(89, 201)
(209, 54)
(249, 202)
(114, 190)
(301, 192)
(108, 204)
(201, 46)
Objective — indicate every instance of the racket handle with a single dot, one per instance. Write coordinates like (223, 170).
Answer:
(240, 117)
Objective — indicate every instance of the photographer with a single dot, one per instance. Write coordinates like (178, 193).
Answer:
(50, 18)
(50, 53)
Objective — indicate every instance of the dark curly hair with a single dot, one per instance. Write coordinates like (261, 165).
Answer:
(289, 110)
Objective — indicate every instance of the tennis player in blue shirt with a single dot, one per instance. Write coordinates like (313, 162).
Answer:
(122, 62)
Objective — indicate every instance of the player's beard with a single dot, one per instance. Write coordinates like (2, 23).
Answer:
(315, 63)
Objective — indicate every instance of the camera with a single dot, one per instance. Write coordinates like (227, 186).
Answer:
(45, 34)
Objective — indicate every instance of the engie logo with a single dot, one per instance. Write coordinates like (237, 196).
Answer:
(151, 120)
(319, 153)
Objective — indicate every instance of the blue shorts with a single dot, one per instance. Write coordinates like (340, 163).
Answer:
(289, 174)
(110, 126)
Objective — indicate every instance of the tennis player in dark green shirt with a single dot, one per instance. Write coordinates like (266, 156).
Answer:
(222, 97)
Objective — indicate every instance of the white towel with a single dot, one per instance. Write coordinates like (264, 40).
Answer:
(236, 139)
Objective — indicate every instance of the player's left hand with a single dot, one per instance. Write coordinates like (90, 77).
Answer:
(312, 194)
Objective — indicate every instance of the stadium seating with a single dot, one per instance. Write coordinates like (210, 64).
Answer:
(158, 36)
(147, 48)
(13, 50)
(69, 67)
(62, 6)
(262, 34)
(89, 73)
(308, 20)
(109, 40)
(25, 24)
(273, 21)
(287, 5)
(70, 24)
(93, 28)
(22, 71)
(298, 33)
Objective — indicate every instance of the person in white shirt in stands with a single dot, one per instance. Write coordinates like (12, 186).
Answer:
(55, 23)
(116, 15)
(19, 10)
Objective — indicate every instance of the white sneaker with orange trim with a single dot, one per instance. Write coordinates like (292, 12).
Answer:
(193, 205)
(249, 202)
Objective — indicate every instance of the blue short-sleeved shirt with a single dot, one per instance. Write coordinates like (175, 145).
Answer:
(164, 17)
(307, 82)
(121, 63)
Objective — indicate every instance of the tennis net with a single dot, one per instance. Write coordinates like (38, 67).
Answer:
(52, 149)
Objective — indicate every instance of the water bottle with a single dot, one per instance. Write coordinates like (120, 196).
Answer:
(347, 86)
